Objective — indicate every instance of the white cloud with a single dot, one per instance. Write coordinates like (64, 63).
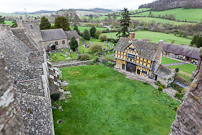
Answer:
(10, 6)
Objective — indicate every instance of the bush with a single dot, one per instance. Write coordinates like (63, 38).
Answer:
(55, 96)
(95, 48)
(84, 57)
(97, 33)
(103, 37)
(177, 95)
(163, 85)
(176, 107)
(113, 40)
(167, 32)
(160, 88)
(177, 69)
(95, 60)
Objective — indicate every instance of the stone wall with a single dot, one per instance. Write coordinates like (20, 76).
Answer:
(63, 64)
(189, 114)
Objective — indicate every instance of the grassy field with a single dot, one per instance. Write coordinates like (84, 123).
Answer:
(155, 37)
(187, 68)
(180, 13)
(166, 60)
(149, 19)
(98, 106)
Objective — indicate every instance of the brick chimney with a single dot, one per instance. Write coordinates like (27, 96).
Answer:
(132, 36)
(159, 51)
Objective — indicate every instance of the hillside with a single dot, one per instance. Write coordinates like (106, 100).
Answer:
(179, 13)
(171, 4)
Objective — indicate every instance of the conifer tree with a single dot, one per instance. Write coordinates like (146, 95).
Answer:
(86, 34)
(73, 43)
(45, 24)
(14, 24)
(2, 19)
(76, 28)
(124, 22)
(92, 31)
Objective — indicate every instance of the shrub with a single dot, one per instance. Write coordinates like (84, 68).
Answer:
(160, 88)
(177, 69)
(163, 85)
(103, 37)
(97, 33)
(176, 107)
(95, 48)
(95, 60)
(55, 96)
(167, 32)
(86, 34)
(84, 57)
(177, 95)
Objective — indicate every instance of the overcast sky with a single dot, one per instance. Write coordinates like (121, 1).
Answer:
(9, 6)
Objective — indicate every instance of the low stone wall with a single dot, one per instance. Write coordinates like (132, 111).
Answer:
(106, 61)
(63, 64)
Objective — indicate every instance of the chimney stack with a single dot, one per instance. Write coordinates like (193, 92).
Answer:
(159, 50)
(132, 36)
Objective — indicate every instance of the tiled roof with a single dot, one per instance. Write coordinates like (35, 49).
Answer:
(145, 49)
(71, 33)
(53, 34)
(188, 51)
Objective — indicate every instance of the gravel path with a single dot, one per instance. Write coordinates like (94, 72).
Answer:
(172, 64)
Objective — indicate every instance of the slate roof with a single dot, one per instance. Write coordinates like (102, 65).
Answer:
(53, 34)
(71, 33)
(145, 49)
(188, 51)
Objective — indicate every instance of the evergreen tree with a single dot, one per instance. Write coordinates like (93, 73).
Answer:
(124, 22)
(2, 19)
(62, 22)
(86, 34)
(76, 28)
(92, 31)
(14, 24)
(45, 24)
(73, 43)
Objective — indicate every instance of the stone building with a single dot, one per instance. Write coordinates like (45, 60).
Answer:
(180, 51)
(72, 33)
(54, 37)
(27, 81)
(138, 56)
(49, 39)
(188, 120)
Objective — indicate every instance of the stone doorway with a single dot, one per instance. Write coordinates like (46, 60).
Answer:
(131, 68)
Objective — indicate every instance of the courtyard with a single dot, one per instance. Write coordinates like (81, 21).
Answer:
(105, 102)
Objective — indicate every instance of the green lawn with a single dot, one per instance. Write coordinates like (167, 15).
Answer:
(155, 37)
(8, 22)
(187, 68)
(180, 13)
(105, 102)
(166, 60)
(184, 76)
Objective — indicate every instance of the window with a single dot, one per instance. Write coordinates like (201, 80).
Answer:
(63, 41)
(131, 56)
(56, 43)
(131, 49)
(144, 72)
(31, 27)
